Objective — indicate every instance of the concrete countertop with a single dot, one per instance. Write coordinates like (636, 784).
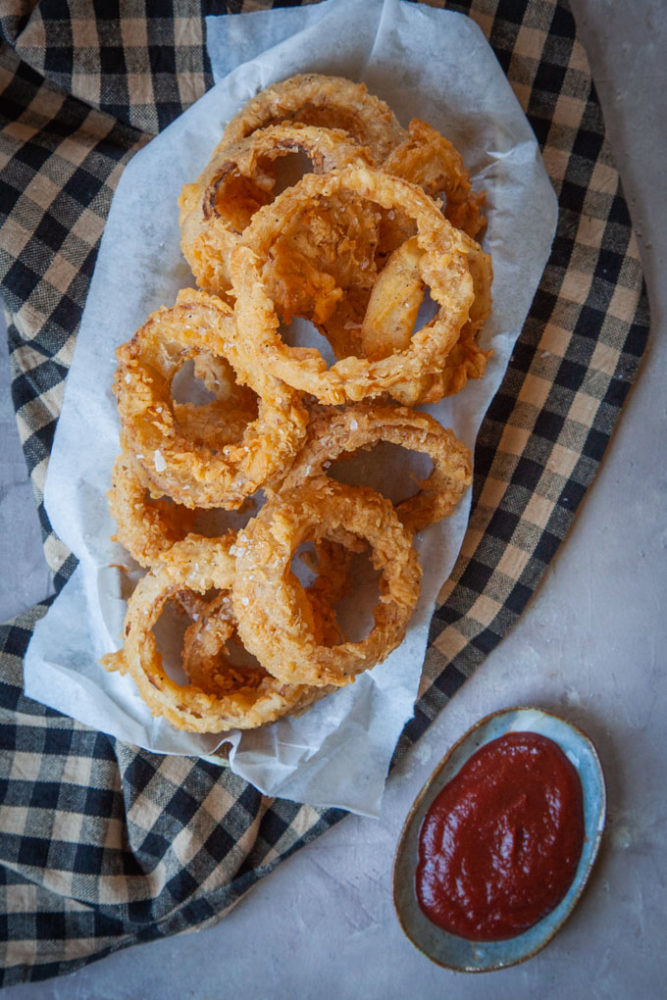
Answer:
(590, 646)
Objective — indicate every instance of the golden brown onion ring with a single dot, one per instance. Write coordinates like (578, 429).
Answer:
(234, 701)
(195, 472)
(444, 268)
(269, 600)
(392, 310)
(146, 527)
(335, 433)
(426, 158)
(240, 179)
(324, 101)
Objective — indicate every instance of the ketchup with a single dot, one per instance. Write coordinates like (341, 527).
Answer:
(500, 844)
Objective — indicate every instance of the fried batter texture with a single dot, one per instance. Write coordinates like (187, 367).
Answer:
(443, 267)
(374, 245)
(325, 101)
(218, 469)
(224, 696)
(333, 433)
(268, 599)
(146, 527)
(242, 178)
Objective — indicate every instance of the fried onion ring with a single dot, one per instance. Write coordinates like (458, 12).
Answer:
(324, 101)
(333, 433)
(269, 600)
(195, 472)
(240, 698)
(392, 311)
(242, 178)
(427, 158)
(443, 266)
(145, 527)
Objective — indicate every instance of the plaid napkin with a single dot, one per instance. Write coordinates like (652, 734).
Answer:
(103, 845)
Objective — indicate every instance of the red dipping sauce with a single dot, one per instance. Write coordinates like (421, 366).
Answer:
(500, 844)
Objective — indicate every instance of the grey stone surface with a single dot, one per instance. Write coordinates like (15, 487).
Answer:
(591, 646)
(25, 578)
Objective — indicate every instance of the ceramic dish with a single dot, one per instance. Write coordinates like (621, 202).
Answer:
(459, 953)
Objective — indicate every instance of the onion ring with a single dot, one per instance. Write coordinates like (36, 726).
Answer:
(240, 701)
(392, 310)
(333, 561)
(145, 527)
(428, 159)
(268, 599)
(240, 179)
(324, 101)
(444, 268)
(191, 471)
(333, 433)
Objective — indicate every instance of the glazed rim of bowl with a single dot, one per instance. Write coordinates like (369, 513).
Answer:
(432, 787)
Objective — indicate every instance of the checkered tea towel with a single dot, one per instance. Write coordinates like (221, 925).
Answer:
(103, 845)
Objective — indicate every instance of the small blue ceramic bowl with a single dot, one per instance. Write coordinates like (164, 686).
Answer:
(458, 953)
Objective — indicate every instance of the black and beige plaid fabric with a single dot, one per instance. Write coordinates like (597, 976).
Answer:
(103, 845)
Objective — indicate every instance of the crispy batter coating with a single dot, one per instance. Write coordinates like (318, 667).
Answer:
(333, 433)
(202, 470)
(269, 601)
(325, 101)
(444, 268)
(146, 527)
(242, 178)
(226, 697)
(427, 158)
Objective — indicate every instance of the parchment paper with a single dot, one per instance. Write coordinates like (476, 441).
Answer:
(425, 63)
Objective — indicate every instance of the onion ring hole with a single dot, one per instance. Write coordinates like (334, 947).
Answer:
(169, 632)
(344, 612)
(187, 388)
(300, 332)
(226, 662)
(391, 470)
(354, 611)
(238, 197)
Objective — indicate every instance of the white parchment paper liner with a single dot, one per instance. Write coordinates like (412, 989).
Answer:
(425, 63)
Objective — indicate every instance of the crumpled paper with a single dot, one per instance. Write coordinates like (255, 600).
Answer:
(425, 63)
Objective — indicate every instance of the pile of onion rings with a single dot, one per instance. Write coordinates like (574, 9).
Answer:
(378, 231)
